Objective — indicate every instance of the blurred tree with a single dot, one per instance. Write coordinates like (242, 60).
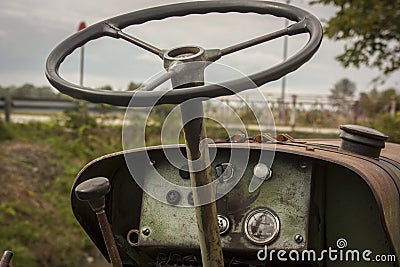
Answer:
(106, 87)
(388, 125)
(375, 103)
(133, 86)
(28, 90)
(342, 94)
(372, 29)
(104, 109)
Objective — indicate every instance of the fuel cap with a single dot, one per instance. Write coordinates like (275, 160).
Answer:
(362, 140)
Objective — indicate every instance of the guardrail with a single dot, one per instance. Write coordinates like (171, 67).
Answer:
(26, 109)
(10, 105)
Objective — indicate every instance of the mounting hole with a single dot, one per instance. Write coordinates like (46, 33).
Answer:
(133, 237)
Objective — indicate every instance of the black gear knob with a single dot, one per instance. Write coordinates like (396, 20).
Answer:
(94, 191)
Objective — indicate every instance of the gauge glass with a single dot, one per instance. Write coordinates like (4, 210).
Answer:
(261, 226)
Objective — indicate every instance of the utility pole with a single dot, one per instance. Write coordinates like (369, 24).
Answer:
(82, 106)
(82, 26)
(283, 85)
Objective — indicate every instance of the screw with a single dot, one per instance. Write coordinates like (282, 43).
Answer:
(298, 238)
(146, 231)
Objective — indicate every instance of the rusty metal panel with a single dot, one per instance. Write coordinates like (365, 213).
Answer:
(381, 180)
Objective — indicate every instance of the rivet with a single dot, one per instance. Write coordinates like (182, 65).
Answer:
(298, 238)
(146, 231)
(310, 148)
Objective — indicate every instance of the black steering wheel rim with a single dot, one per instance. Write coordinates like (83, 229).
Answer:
(308, 22)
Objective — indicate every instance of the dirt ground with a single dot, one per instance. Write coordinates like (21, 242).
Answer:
(26, 167)
(33, 222)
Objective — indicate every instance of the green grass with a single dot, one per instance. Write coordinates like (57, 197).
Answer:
(36, 220)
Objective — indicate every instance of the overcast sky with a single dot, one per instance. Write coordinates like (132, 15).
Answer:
(30, 29)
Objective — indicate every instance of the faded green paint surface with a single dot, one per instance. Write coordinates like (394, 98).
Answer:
(287, 193)
(352, 214)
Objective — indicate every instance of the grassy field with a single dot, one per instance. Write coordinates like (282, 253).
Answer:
(38, 163)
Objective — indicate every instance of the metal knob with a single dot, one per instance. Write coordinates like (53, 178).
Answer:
(6, 259)
(94, 191)
(262, 171)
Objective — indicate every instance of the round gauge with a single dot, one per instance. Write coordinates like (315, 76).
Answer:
(261, 226)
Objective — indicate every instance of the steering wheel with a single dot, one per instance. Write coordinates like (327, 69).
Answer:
(304, 23)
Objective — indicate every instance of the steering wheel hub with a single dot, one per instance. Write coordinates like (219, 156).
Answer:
(185, 54)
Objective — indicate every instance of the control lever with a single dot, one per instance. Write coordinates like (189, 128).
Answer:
(6, 259)
(94, 191)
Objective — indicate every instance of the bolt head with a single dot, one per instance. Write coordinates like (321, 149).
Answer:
(173, 197)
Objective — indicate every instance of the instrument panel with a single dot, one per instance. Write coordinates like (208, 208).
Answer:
(275, 214)
(305, 201)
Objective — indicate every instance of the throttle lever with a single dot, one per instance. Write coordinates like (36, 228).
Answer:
(94, 191)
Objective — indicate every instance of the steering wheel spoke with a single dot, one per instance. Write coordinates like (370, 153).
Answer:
(173, 70)
(253, 42)
(296, 28)
(133, 40)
